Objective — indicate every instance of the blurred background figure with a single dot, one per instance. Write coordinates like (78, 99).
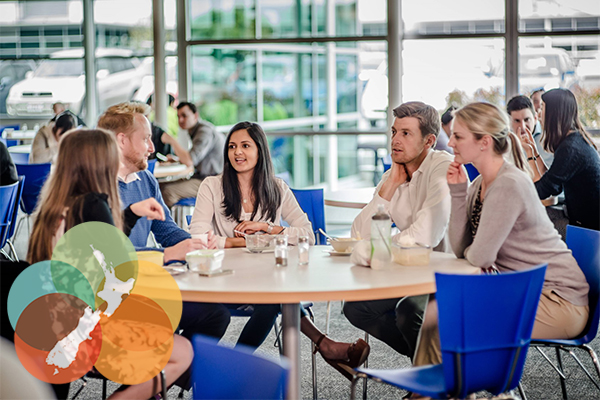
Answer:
(445, 132)
(172, 124)
(45, 143)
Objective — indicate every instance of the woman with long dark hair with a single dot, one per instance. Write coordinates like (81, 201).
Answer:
(576, 166)
(248, 198)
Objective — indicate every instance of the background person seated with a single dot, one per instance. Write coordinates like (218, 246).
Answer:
(206, 154)
(45, 143)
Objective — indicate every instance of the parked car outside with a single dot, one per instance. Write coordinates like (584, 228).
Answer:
(11, 72)
(62, 79)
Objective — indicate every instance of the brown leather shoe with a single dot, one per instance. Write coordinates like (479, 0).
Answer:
(357, 355)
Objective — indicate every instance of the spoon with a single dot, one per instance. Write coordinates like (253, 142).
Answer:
(326, 235)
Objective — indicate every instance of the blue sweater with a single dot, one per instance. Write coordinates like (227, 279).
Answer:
(166, 232)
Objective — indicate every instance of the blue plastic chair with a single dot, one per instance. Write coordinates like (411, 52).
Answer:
(224, 373)
(151, 165)
(312, 203)
(485, 324)
(471, 171)
(585, 245)
(14, 218)
(7, 205)
(178, 210)
(19, 158)
(36, 175)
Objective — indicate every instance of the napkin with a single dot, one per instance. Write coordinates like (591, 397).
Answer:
(361, 254)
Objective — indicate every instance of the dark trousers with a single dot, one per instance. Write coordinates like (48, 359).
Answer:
(396, 322)
(209, 319)
(260, 323)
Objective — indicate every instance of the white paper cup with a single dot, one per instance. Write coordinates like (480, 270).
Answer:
(202, 236)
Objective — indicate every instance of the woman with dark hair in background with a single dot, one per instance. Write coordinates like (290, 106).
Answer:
(576, 166)
(45, 143)
(247, 198)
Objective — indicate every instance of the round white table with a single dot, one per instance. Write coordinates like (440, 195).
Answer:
(257, 280)
(350, 198)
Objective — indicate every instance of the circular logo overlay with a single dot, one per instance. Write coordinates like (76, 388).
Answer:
(94, 305)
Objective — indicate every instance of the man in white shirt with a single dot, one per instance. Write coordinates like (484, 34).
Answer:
(415, 193)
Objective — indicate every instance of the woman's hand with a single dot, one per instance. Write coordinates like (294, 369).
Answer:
(149, 208)
(456, 173)
(250, 227)
(212, 240)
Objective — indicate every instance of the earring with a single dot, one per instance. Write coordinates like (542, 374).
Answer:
(481, 149)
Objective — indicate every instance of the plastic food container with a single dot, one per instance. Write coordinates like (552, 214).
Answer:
(205, 260)
(260, 243)
(417, 254)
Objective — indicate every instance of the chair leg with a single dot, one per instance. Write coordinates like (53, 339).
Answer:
(355, 379)
(327, 318)
(522, 392)
(314, 358)
(163, 384)
(18, 226)
(366, 366)
(278, 338)
(12, 249)
(594, 357)
(6, 255)
(104, 388)
(563, 385)
(583, 367)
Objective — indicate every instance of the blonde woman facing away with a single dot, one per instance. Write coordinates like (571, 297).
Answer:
(499, 221)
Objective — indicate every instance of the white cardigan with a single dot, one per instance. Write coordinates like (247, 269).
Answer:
(209, 213)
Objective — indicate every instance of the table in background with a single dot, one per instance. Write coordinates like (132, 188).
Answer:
(22, 148)
(257, 280)
(349, 198)
(172, 172)
(21, 136)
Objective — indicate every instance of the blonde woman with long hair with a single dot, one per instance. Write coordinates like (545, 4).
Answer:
(82, 188)
(498, 220)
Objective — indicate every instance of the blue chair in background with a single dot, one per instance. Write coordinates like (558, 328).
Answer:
(312, 203)
(19, 158)
(14, 218)
(151, 165)
(471, 171)
(585, 245)
(223, 373)
(484, 336)
(387, 163)
(8, 194)
(178, 211)
(36, 175)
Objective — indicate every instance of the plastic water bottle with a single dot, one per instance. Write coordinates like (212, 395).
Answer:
(381, 239)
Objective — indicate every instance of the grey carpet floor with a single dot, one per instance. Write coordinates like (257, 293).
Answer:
(539, 379)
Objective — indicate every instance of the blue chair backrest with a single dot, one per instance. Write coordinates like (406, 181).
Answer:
(7, 204)
(36, 175)
(312, 203)
(387, 162)
(471, 171)
(485, 324)
(20, 158)
(151, 165)
(15, 213)
(585, 245)
(224, 373)
(188, 218)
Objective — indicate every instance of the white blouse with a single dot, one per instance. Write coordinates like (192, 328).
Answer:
(209, 213)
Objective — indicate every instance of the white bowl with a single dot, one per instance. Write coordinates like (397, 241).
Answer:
(205, 260)
(411, 255)
(344, 245)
